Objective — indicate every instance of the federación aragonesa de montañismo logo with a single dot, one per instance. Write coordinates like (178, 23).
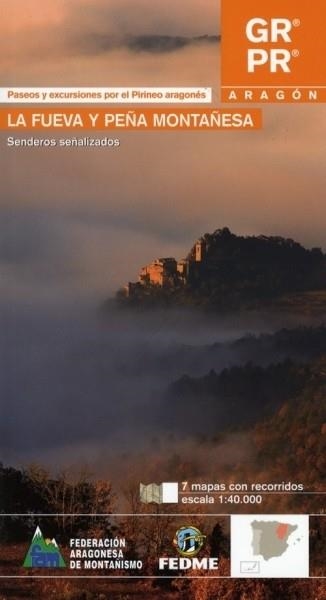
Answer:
(43, 553)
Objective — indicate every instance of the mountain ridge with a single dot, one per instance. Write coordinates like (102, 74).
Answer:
(225, 271)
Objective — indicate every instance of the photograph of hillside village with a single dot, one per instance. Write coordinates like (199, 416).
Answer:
(225, 271)
(167, 272)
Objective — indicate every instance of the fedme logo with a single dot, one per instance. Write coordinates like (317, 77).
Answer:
(272, 31)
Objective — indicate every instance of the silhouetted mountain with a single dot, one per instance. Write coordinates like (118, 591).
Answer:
(223, 270)
(234, 399)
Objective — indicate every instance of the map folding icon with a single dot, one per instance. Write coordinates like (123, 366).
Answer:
(164, 493)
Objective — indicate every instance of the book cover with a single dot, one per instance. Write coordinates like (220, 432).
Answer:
(163, 300)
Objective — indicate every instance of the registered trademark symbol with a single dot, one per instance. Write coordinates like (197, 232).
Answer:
(296, 22)
(295, 53)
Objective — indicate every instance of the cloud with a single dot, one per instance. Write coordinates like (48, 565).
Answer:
(52, 257)
(139, 17)
(61, 29)
(156, 44)
(70, 379)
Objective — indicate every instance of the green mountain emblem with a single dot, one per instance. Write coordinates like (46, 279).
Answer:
(43, 553)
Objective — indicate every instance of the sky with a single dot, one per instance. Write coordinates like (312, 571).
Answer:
(82, 222)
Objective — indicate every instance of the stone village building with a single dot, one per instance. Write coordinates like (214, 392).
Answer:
(167, 272)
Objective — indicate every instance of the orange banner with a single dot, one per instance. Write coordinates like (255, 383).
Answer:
(192, 119)
(274, 44)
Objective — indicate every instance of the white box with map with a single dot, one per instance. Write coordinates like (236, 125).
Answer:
(270, 546)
